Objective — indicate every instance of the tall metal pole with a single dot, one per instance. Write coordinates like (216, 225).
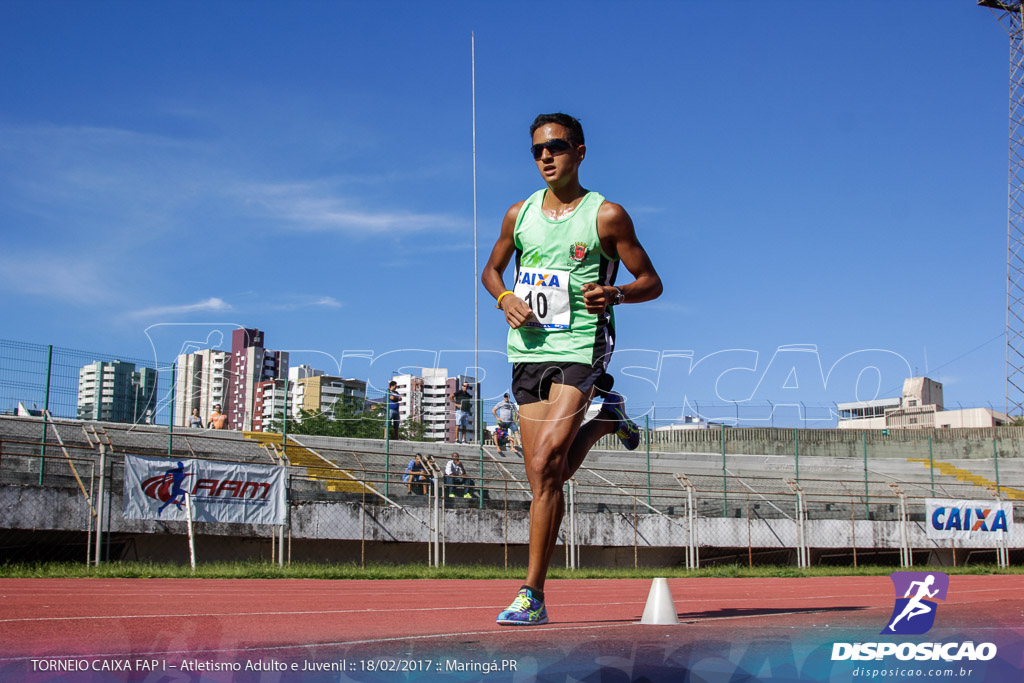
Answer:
(1010, 14)
(476, 290)
(46, 411)
(931, 463)
(647, 441)
(284, 423)
(796, 452)
(170, 421)
(867, 504)
(476, 270)
(725, 482)
(995, 459)
(100, 503)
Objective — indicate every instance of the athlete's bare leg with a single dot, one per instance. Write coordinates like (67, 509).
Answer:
(554, 446)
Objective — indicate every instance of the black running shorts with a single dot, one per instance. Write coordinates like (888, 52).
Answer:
(531, 382)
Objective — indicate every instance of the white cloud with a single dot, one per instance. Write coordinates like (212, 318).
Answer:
(301, 302)
(120, 182)
(328, 301)
(52, 276)
(211, 305)
(314, 207)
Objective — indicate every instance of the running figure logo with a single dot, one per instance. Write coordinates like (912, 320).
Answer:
(914, 613)
(167, 487)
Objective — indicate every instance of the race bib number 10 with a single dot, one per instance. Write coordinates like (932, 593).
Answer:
(546, 292)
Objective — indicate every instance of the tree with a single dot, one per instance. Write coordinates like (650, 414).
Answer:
(348, 421)
(411, 430)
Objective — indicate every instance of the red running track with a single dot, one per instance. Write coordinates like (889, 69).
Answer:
(222, 620)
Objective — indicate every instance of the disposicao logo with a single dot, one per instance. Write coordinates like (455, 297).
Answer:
(914, 612)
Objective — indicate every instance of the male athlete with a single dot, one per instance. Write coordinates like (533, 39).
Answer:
(568, 242)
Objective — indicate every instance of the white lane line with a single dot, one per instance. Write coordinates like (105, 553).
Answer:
(375, 610)
(193, 654)
(679, 603)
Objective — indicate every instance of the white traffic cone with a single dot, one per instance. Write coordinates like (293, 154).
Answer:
(660, 608)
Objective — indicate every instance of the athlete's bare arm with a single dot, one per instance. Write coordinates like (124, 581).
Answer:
(515, 309)
(618, 237)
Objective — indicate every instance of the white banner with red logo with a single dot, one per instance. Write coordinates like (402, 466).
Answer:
(968, 519)
(155, 488)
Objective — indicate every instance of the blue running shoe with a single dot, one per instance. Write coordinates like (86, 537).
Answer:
(525, 610)
(628, 432)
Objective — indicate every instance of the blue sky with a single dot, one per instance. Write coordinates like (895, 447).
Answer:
(828, 179)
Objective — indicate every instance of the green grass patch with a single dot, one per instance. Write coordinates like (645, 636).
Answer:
(264, 570)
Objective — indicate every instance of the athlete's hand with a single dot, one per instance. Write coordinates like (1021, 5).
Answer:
(516, 310)
(596, 298)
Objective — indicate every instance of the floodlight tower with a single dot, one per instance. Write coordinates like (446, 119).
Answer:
(1010, 14)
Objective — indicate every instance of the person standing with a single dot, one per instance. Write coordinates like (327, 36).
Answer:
(568, 243)
(463, 400)
(218, 420)
(194, 420)
(394, 399)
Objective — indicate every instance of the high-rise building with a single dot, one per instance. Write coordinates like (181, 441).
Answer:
(268, 403)
(210, 377)
(115, 392)
(250, 364)
(200, 381)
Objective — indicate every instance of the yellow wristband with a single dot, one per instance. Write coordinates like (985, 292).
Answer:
(500, 297)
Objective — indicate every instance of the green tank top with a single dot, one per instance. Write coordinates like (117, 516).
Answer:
(554, 258)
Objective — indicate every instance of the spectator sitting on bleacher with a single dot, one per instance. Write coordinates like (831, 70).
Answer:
(414, 475)
(455, 478)
(500, 436)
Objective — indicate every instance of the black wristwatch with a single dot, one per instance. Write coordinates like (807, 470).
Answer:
(619, 297)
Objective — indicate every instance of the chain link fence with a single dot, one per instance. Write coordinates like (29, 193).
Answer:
(61, 500)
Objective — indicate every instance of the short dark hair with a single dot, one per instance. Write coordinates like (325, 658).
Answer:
(392, 383)
(564, 120)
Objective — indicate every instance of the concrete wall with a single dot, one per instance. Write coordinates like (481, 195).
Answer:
(840, 443)
(47, 508)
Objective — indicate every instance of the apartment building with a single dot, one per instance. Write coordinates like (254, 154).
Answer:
(200, 381)
(320, 392)
(250, 365)
(268, 403)
(115, 392)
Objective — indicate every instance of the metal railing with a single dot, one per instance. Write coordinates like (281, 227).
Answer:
(71, 499)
